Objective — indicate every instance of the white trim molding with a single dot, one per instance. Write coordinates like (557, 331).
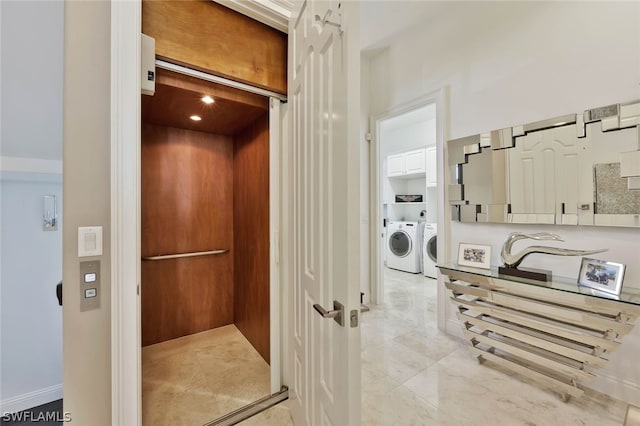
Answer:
(275, 13)
(439, 99)
(30, 165)
(444, 215)
(31, 399)
(275, 137)
(126, 401)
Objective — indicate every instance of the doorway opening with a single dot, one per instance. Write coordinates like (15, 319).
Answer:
(407, 194)
(205, 220)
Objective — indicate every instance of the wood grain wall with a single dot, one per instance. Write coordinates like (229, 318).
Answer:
(187, 205)
(213, 38)
(251, 234)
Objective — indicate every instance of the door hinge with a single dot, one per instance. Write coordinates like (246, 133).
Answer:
(368, 137)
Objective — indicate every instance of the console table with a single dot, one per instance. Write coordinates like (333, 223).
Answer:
(556, 333)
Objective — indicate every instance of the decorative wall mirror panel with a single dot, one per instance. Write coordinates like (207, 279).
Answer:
(578, 169)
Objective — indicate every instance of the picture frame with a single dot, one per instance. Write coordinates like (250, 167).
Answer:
(601, 275)
(474, 255)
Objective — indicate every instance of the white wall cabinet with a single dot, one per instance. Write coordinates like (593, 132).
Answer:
(415, 161)
(432, 168)
(396, 165)
(407, 164)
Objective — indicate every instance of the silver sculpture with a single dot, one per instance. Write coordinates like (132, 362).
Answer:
(513, 260)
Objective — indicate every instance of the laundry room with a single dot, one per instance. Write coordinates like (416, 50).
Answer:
(409, 185)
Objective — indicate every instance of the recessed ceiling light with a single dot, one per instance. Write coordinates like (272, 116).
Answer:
(207, 99)
(195, 118)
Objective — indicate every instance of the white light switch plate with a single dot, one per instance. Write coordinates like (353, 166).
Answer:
(89, 241)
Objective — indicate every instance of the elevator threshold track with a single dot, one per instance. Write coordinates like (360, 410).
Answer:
(252, 409)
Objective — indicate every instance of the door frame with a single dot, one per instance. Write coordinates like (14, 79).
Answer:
(376, 253)
(126, 389)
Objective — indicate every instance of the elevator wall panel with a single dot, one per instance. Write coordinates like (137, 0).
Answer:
(187, 206)
(251, 234)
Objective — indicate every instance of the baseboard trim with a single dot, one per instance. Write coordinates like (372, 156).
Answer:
(31, 399)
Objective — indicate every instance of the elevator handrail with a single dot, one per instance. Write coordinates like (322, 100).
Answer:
(179, 255)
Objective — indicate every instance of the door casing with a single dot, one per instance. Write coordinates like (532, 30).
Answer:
(126, 394)
(377, 247)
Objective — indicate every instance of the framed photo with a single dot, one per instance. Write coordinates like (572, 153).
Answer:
(474, 255)
(601, 275)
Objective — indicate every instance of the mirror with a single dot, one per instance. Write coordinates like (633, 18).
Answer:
(571, 170)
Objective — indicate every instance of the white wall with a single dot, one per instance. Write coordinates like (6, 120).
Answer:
(87, 189)
(32, 79)
(510, 63)
(30, 318)
(31, 259)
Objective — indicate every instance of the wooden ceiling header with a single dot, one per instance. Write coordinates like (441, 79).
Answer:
(207, 36)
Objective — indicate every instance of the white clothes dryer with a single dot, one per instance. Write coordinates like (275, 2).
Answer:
(430, 250)
(404, 248)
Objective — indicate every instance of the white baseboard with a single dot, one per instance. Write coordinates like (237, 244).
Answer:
(31, 399)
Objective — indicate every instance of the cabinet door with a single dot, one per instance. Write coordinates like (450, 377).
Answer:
(395, 165)
(415, 161)
(432, 168)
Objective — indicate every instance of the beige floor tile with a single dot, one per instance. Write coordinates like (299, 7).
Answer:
(399, 407)
(197, 378)
(413, 374)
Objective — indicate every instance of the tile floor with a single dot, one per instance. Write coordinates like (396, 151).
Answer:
(195, 379)
(412, 374)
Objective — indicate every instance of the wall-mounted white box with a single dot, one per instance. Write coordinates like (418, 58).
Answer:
(89, 241)
(147, 65)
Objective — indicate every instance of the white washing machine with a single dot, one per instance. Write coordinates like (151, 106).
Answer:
(430, 250)
(404, 248)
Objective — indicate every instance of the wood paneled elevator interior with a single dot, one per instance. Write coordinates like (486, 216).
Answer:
(205, 186)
